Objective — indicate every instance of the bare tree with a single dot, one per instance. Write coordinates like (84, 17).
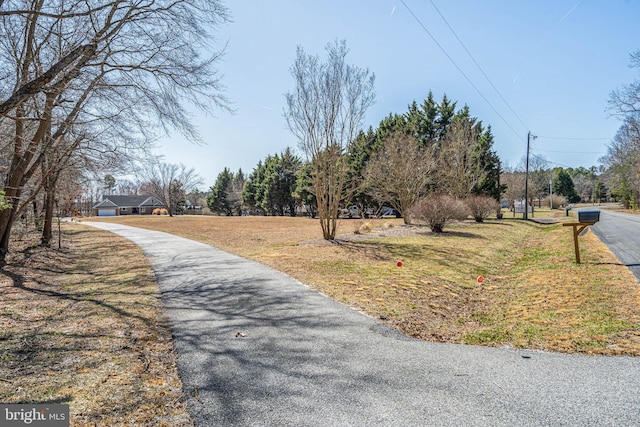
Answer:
(127, 187)
(117, 67)
(623, 162)
(626, 100)
(539, 178)
(459, 170)
(324, 112)
(400, 172)
(514, 181)
(623, 154)
(170, 183)
(39, 83)
(585, 186)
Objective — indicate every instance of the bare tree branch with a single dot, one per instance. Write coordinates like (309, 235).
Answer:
(324, 112)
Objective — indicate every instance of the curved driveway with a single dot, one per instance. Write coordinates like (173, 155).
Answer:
(256, 347)
(621, 233)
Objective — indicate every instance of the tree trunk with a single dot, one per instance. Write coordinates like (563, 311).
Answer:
(49, 203)
(34, 205)
(20, 163)
(7, 217)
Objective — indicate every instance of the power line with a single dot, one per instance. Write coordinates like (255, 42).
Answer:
(459, 69)
(575, 138)
(426, 30)
(543, 159)
(572, 152)
(478, 65)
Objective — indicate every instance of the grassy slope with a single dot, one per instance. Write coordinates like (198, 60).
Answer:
(534, 295)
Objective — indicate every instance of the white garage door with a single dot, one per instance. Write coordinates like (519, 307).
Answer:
(106, 212)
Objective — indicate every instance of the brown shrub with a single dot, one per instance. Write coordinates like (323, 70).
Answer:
(558, 201)
(363, 228)
(482, 206)
(438, 211)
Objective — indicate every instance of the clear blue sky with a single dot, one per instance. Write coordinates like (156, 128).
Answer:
(554, 61)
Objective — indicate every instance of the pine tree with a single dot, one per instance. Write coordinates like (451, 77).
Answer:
(489, 162)
(218, 198)
(563, 184)
(250, 190)
(430, 113)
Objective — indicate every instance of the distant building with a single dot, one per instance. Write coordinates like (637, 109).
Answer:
(127, 205)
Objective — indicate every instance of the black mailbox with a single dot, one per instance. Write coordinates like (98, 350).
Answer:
(589, 216)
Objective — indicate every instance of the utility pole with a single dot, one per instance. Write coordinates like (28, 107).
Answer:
(525, 215)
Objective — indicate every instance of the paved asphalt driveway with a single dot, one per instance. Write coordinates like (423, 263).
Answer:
(621, 233)
(256, 347)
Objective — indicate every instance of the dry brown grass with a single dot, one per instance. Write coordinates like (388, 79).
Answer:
(75, 329)
(84, 326)
(534, 295)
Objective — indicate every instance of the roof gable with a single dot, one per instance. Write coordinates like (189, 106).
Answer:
(151, 201)
(113, 201)
(106, 203)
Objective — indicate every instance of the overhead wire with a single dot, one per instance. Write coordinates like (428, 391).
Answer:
(424, 28)
(572, 152)
(478, 65)
(573, 138)
(544, 159)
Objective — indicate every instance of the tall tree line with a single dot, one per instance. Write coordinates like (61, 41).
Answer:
(432, 148)
(622, 160)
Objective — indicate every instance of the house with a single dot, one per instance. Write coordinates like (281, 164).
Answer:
(127, 205)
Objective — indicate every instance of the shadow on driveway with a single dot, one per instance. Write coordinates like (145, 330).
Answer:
(256, 347)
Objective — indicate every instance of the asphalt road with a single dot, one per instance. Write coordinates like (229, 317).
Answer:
(257, 348)
(621, 233)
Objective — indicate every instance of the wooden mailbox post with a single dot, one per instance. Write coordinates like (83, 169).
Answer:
(585, 219)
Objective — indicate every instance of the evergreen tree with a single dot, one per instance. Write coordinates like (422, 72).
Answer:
(468, 162)
(360, 152)
(600, 192)
(290, 164)
(563, 184)
(446, 112)
(250, 190)
(218, 198)
(269, 194)
(234, 196)
(303, 194)
(270, 187)
(430, 113)
(489, 162)
(263, 191)
(388, 126)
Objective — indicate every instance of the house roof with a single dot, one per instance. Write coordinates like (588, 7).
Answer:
(113, 201)
(151, 201)
(106, 203)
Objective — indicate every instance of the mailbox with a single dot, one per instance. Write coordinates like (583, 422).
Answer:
(588, 216)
